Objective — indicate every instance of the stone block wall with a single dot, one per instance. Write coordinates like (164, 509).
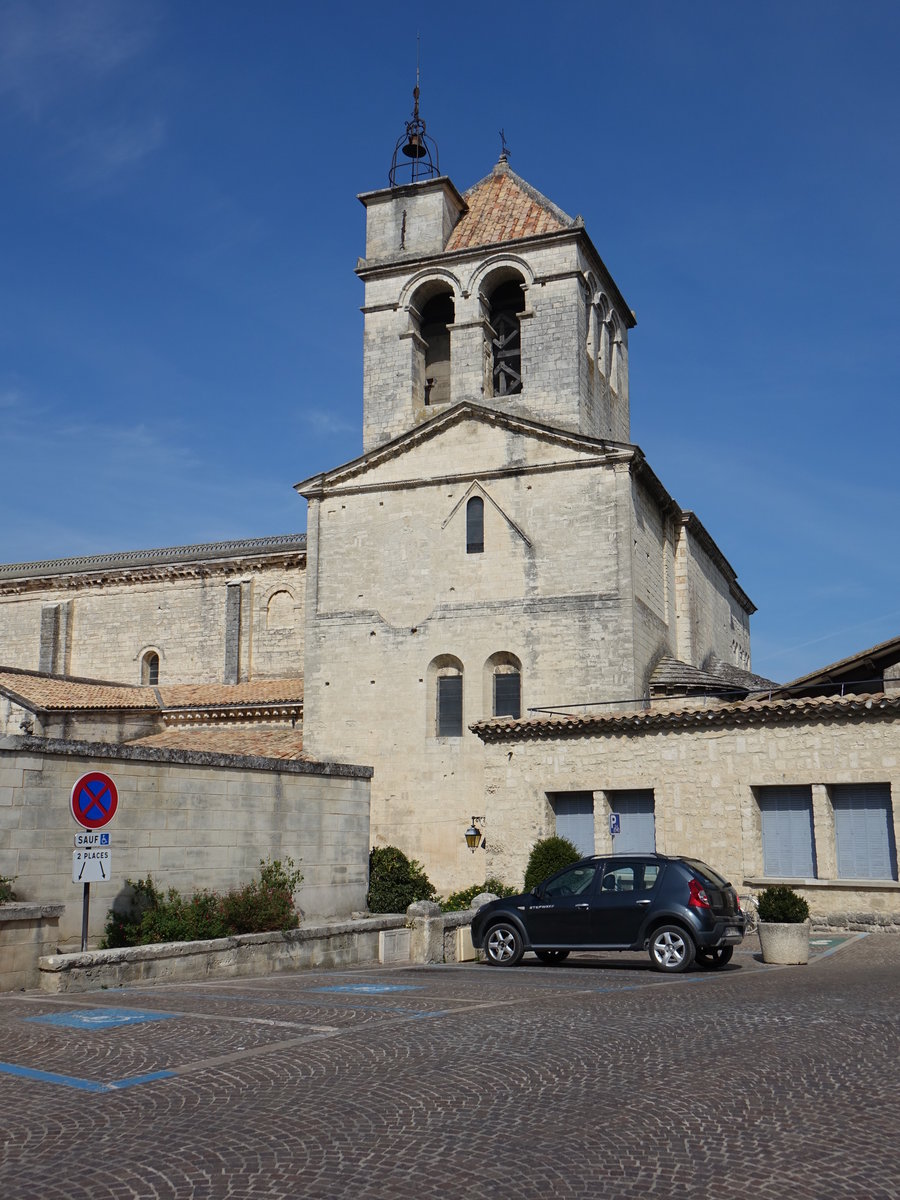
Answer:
(183, 618)
(704, 779)
(189, 820)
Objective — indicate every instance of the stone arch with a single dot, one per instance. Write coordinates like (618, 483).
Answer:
(445, 678)
(505, 699)
(280, 608)
(432, 310)
(150, 658)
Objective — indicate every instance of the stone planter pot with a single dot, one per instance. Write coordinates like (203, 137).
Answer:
(784, 943)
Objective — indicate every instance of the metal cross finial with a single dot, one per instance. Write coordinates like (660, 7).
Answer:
(504, 149)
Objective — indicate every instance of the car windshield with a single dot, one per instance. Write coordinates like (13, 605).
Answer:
(708, 873)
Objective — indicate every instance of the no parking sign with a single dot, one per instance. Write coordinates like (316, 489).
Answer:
(94, 800)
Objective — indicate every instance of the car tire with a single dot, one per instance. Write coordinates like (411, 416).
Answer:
(714, 959)
(672, 949)
(503, 945)
(552, 957)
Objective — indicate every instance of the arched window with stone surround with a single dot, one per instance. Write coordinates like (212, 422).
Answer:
(445, 685)
(506, 302)
(150, 668)
(503, 685)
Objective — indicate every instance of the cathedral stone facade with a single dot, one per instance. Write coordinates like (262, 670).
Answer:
(500, 545)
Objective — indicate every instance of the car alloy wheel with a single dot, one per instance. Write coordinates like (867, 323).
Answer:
(503, 946)
(671, 949)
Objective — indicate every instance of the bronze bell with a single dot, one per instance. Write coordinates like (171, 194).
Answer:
(414, 148)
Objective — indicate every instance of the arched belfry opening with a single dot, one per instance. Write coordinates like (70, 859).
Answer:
(505, 305)
(434, 326)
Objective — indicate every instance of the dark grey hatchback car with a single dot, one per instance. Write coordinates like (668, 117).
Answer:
(678, 909)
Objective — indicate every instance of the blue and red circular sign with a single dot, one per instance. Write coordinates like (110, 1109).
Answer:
(94, 800)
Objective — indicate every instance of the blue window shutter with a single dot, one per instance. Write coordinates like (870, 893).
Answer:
(638, 824)
(787, 832)
(575, 819)
(864, 831)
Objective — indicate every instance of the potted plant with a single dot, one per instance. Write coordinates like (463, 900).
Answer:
(783, 925)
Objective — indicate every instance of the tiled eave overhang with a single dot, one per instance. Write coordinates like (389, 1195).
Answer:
(142, 566)
(764, 712)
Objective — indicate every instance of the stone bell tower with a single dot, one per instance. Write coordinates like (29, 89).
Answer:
(494, 296)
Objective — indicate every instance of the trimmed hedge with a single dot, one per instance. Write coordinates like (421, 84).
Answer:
(396, 881)
(548, 856)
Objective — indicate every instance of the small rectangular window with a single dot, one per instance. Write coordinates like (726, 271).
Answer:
(508, 695)
(449, 706)
(787, 832)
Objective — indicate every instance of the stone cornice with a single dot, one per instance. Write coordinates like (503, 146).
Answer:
(174, 562)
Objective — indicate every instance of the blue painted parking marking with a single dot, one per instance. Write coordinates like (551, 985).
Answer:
(100, 1018)
(82, 1085)
(370, 989)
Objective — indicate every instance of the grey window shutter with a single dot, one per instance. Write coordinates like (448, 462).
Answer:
(864, 831)
(575, 819)
(508, 695)
(787, 832)
(449, 706)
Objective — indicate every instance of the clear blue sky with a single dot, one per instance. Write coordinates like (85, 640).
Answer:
(180, 336)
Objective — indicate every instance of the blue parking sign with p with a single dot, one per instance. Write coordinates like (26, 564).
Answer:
(615, 824)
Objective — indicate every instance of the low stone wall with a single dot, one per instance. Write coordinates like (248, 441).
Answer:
(27, 931)
(423, 934)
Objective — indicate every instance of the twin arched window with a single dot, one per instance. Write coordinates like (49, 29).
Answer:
(502, 691)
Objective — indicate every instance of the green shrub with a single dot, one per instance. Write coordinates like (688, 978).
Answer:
(263, 906)
(6, 888)
(267, 904)
(548, 856)
(781, 905)
(395, 881)
(460, 901)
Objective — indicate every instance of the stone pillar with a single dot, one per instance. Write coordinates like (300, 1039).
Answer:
(427, 923)
(823, 827)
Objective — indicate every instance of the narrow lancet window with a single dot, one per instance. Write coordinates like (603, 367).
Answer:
(475, 526)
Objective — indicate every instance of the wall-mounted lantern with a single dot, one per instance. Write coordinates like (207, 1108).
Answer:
(475, 836)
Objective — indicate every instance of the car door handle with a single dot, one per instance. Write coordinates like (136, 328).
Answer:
(642, 901)
(582, 906)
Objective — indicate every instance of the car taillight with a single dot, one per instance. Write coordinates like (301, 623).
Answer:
(737, 903)
(699, 898)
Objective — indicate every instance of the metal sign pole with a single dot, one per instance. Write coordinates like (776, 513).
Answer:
(86, 906)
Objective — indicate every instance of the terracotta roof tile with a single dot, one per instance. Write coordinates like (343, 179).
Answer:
(744, 712)
(218, 695)
(255, 741)
(503, 207)
(49, 692)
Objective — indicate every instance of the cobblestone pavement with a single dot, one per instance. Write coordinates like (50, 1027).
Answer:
(597, 1078)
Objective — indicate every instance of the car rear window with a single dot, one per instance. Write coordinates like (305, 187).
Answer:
(712, 877)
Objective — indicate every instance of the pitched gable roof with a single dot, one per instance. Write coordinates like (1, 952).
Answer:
(466, 410)
(503, 207)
